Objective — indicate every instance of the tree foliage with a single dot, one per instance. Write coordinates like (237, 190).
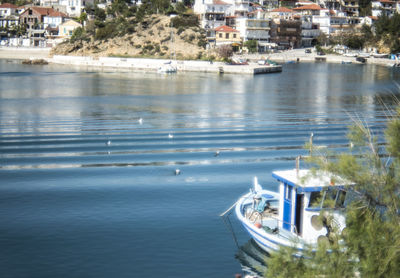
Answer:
(185, 21)
(225, 51)
(388, 30)
(251, 45)
(371, 244)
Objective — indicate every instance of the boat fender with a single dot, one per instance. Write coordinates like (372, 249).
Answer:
(258, 225)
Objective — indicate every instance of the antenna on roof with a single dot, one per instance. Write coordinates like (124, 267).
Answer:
(298, 165)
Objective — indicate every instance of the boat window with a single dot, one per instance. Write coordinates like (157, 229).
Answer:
(288, 192)
(341, 197)
(330, 198)
(315, 200)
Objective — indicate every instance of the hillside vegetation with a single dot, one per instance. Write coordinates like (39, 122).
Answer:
(146, 31)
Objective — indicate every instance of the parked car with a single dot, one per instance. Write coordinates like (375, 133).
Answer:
(320, 53)
(307, 50)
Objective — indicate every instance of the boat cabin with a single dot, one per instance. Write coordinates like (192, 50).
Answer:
(302, 197)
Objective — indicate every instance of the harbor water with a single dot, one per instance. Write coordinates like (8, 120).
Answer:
(88, 160)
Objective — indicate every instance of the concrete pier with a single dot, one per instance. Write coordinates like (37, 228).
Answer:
(154, 64)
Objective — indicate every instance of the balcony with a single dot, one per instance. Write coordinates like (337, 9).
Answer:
(312, 33)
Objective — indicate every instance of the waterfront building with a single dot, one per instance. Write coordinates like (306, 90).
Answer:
(324, 20)
(211, 13)
(286, 33)
(7, 9)
(255, 29)
(67, 28)
(385, 7)
(309, 31)
(75, 7)
(8, 15)
(227, 35)
(343, 24)
(270, 4)
(282, 12)
(350, 7)
(312, 9)
(37, 19)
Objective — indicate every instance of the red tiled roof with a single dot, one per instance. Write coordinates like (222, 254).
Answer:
(314, 7)
(8, 6)
(282, 10)
(219, 2)
(373, 17)
(57, 14)
(332, 12)
(225, 29)
(48, 12)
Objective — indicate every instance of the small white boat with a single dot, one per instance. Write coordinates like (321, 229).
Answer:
(380, 55)
(167, 68)
(291, 217)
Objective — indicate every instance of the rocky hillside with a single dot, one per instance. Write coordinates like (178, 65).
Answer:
(152, 38)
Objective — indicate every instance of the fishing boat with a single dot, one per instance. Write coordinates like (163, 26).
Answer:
(292, 216)
(167, 67)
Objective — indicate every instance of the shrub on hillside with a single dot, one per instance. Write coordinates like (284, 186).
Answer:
(185, 21)
(79, 34)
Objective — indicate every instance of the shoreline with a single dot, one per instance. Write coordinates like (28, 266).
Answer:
(142, 64)
(22, 53)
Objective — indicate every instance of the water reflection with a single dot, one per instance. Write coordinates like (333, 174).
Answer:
(252, 259)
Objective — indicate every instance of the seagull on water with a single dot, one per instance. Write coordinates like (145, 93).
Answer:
(140, 121)
(170, 136)
(177, 172)
(216, 153)
(108, 143)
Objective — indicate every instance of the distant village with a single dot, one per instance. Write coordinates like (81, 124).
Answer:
(273, 24)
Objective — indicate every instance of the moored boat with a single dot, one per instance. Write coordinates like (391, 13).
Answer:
(292, 216)
(167, 68)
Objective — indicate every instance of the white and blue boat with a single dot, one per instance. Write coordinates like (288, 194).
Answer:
(292, 217)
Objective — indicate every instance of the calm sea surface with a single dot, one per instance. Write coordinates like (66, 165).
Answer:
(87, 190)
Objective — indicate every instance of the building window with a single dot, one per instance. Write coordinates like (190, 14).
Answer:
(220, 35)
(226, 35)
(234, 36)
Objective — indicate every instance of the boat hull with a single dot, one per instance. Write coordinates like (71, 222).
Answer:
(268, 241)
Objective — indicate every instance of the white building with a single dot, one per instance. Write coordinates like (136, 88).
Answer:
(48, 3)
(323, 20)
(75, 7)
(255, 29)
(383, 6)
(238, 8)
(67, 28)
(7, 9)
(211, 12)
(8, 15)
(53, 19)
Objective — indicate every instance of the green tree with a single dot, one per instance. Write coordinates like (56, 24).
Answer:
(82, 18)
(354, 41)
(251, 45)
(370, 246)
(180, 8)
(99, 14)
(78, 34)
